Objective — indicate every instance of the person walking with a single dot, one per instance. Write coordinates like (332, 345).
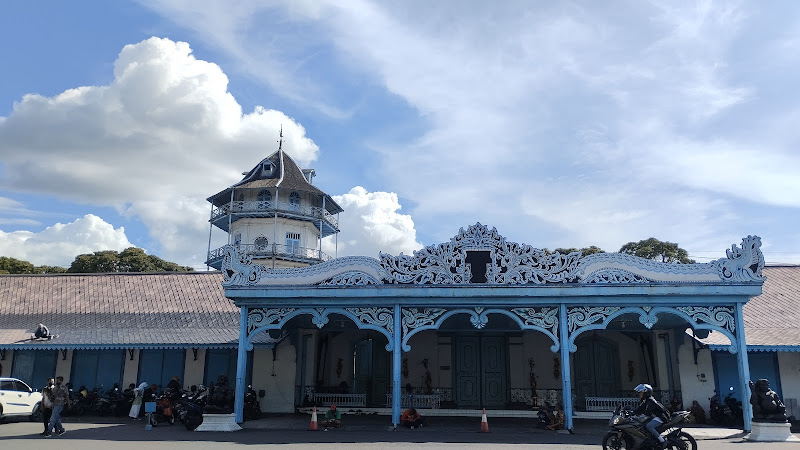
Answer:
(136, 406)
(60, 401)
(47, 404)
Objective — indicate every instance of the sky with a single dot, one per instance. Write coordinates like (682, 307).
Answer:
(561, 124)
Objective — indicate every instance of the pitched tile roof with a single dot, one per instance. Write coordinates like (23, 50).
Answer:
(773, 318)
(118, 310)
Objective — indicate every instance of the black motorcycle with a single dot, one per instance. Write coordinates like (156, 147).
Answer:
(629, 433)
(189, 408)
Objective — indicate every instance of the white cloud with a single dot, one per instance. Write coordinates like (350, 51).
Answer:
(154, 143)
(58, 245)
(372, 224)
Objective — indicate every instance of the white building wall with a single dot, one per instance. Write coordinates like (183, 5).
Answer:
(193, 370)
(789, 367)
(276, 378)
(64, 366)
(424, 345)
(697, 380)
(130, 371)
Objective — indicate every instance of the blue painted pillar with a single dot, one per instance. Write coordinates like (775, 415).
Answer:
(566, 381)
(241, 367)
(744, 368)
(396, 362)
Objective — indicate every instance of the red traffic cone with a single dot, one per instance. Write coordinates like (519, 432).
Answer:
(484, 423)
(313, 425)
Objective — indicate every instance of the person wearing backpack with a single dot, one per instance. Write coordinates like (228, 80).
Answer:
(47, 404)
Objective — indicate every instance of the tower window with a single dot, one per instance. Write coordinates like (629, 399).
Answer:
(294, 200)
(293, 243)
(264, 196)
(261, 243)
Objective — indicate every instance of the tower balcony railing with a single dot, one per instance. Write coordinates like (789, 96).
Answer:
(290, 252)
(264, 207)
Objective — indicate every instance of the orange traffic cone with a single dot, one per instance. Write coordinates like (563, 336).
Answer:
(313, 425)
(484, 423)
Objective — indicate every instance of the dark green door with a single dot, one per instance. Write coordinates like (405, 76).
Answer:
(596, 369)
(371, 371)
(481, 375)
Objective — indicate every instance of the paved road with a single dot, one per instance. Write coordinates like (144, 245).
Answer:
(289, 431)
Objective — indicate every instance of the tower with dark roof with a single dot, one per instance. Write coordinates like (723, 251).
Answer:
(275, 215)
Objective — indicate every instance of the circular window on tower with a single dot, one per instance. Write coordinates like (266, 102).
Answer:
(261, 243)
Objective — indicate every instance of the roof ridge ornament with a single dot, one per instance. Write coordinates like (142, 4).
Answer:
(505, 263)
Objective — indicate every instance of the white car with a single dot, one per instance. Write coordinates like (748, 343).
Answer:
(17, 399)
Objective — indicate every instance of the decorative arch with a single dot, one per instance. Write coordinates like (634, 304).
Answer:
(718, 318)
(265, 319)
(543, 319)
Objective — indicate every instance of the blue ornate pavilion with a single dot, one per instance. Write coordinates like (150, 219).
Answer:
(482, 277)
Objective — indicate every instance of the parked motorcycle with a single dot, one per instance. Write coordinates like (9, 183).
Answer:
(189, 409)
(729, 413)
(164, 411)
(629, 433)
(252, 407)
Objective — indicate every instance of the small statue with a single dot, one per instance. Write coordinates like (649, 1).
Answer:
(767, 406)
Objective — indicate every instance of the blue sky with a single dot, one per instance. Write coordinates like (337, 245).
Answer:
(563, 124)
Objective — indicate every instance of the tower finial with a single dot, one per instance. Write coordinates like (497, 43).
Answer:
(280, 142)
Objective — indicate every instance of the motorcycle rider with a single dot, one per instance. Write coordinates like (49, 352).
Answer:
(651, 411)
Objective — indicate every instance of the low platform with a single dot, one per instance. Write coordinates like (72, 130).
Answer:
(771, 432)
(219, 422)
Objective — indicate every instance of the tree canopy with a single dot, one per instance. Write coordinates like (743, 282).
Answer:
(584, 251)
(131, 259)
(663, 251)
(14, 265)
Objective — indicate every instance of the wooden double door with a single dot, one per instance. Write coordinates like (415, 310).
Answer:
(480, 371)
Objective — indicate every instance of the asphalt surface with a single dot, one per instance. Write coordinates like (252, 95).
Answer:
(290, 431)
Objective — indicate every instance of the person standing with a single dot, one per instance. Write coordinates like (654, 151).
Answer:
(60, 401)
(136, 406)
(47, 404)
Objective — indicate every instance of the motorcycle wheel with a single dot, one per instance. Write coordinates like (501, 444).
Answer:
(613, 441)
(193, 422)
(171, 420)
(153, 420)
(683, 441)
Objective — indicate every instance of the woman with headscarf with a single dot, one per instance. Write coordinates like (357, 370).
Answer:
(137, 401)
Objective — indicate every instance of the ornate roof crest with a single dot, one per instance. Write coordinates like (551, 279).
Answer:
(479, 255)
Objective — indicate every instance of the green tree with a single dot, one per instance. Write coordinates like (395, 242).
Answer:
(584, 251)
(663, 251)
(14, 265)
(131, 259)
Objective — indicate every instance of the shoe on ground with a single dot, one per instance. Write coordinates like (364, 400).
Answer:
(61, 432)
(325, 429)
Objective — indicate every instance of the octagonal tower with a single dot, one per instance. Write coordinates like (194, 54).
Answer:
(275, 215)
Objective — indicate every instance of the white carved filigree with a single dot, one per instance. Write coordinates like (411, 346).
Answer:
(614, 276)
(743, 264)
(508, 263)
(588, 315)
(238, 268)
(415, 317)
(721, 316)
(546, 318)
(381, 317)
(351, 278)
(259, 317)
